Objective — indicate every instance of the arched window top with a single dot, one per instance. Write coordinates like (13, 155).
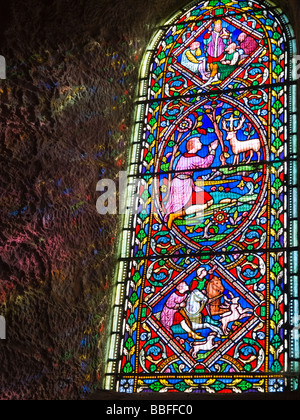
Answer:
(207, 285)
(264, 25)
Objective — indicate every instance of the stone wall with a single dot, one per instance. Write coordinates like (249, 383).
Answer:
(65, 121)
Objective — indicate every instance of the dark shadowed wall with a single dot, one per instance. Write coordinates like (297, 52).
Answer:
(65, 121)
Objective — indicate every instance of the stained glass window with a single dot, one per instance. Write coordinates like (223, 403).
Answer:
(206, 294)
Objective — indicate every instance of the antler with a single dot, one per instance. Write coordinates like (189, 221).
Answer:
(224, 126)
(241, 123)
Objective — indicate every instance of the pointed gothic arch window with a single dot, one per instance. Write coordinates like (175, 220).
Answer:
(206, 295)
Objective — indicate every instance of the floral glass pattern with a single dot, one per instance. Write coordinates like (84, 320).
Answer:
(207, 285)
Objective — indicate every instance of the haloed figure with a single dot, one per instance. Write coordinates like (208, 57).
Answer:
(195, 60)
(247, 44)
(185, 197)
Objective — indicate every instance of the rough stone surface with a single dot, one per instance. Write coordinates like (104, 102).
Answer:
(65, 121)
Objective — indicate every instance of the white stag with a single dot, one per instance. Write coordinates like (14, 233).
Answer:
(235, 313)
(238, 146)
